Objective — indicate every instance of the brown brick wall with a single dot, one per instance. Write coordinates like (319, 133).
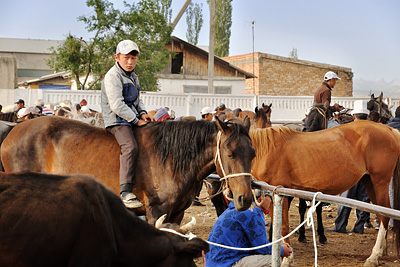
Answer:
(278, 75)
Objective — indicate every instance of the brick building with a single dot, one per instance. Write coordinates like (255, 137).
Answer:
(283, 76)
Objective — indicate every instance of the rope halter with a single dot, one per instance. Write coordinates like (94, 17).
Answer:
(218, 158)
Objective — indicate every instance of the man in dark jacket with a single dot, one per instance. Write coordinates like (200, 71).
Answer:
(395, 123)
(324, 92)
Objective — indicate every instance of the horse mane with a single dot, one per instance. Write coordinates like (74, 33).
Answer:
(185, 142)
(264, 140)
(8, 116)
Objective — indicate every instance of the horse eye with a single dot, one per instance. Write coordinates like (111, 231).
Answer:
(230, 156)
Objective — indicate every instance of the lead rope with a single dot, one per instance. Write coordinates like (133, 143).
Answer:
(309, 220)
(323, 114)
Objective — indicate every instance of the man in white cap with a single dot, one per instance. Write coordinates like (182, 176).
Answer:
(357, 192)
(324, 92)
(122, 111)
(207, 114)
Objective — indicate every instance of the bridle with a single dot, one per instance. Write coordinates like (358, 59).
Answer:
(383, 113)
(224, 179)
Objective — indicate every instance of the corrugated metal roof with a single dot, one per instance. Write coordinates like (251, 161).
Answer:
(27, 45)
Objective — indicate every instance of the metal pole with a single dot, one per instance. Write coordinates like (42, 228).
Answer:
(277, 231)
(211, 48)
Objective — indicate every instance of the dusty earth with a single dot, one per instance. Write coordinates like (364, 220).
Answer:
(342, 249)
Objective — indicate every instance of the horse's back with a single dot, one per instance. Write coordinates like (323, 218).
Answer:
(52, 144)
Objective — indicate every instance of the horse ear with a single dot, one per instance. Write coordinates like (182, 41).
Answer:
(270, 105)
(256, 109)
(246, 123)
(221, 125)
(315, 104)
(380, 97)
(372, 97)
(263, 105)
(326, 104)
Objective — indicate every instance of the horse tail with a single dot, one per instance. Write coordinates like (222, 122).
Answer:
(396, 202)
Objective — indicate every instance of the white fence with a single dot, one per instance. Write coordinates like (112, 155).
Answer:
(284, 108)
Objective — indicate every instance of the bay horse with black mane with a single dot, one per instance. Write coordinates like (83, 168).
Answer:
(358, 151)
(379, 110)
(173, 158)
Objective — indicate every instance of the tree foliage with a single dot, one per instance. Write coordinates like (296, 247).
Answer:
(293, 53)
(194, 21)
(223, 24)
(142, 23)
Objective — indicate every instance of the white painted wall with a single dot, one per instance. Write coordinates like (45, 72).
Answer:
(176, 86)
(284, 108)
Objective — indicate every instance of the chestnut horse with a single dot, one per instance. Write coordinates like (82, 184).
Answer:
(173, 158)
(332, 161)
(262, 117)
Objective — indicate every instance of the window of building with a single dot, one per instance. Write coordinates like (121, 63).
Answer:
(177, 63)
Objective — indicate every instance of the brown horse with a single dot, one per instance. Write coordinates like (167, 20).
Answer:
(262, 117)
(331, 162)
(9, 116)
(379, 109)
(174, 158)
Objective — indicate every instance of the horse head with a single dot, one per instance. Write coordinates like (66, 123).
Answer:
(318, 117)
(234, 153)
(379, 109)
(262, 117)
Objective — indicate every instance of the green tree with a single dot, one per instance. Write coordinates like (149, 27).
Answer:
(293, 53)
(223, 24)
(164, 8)
(194, 21)
(142, 23)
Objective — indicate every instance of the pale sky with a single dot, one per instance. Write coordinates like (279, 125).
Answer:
(363, 35)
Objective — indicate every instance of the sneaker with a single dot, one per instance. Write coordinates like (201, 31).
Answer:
(368, 225)
(334, 230)
(327, 207)
(197, 203)
(130, 200)
(357, 231)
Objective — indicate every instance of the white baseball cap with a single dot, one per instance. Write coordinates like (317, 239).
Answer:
(126, 46)
(330, 75)
(207, 110)
(360, 106)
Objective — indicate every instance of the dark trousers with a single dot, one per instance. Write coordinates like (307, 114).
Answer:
(357, 192)
(127, 159)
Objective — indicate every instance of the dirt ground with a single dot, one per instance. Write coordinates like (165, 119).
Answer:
(342, 249)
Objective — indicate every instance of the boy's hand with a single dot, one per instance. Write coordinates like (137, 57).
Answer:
(147, 117)
(287, 250)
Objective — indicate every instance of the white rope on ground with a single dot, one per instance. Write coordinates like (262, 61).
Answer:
(309, 220)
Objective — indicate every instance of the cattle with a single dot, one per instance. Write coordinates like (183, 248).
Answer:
(54, 220)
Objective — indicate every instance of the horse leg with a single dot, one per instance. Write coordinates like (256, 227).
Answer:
(219, 203)
(379, 246)
(320, 229)
(302, 210)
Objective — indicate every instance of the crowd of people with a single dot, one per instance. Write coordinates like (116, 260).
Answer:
(123, 110)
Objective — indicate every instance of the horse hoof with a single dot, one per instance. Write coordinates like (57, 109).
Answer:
(370, 263)
(323, 240)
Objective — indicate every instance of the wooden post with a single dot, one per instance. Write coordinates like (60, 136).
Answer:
(211, 48)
